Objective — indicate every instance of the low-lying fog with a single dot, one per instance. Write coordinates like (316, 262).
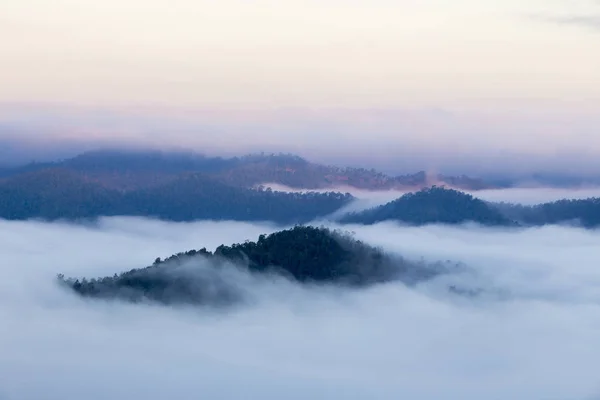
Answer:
(539, 340)
(366, 199)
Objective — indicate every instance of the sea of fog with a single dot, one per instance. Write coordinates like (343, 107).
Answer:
(538, 340)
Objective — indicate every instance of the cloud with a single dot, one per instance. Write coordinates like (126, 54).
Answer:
(584, 13)
(587, 21)
(387, 342)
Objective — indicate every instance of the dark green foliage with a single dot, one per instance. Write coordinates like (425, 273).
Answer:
(303, 254)
(433, 205)
(62, 194)
(198, 197)
(55, 194)
(447, 206)
(312, 254)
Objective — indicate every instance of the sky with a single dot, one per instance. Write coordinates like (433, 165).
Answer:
(439, 81)
(532, 335)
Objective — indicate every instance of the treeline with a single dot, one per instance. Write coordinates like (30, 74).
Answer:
(61, 194)
(303, 254)
(124, 169)
(435, 205)
(438, 205)
(57, 193)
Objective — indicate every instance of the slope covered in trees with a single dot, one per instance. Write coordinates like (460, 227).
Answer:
(55, 194)
(302, 254)
(62, 194)
(130, 170)
(433, 205)
(437, 205)
(198, 197)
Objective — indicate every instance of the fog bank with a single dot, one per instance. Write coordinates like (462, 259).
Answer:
(538, 340)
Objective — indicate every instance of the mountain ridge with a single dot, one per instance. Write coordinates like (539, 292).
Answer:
(58, 193)
(302, 254)
(432, 205)
(127, 170)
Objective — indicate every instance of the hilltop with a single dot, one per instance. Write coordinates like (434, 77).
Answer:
(438, 205)
(57, 193)
(130, 170)
(303, 254)
(432, 206)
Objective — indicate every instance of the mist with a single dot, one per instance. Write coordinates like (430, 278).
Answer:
(528, 196)
(531, 334)
(500, 145)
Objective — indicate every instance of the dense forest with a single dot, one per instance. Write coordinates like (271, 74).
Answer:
(303, 254)
(128, 169)
(168, 186)
(438, 205)
(61, 194)
(433, 205)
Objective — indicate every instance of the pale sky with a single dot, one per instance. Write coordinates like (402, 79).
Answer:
(356, 53)
(486, 77)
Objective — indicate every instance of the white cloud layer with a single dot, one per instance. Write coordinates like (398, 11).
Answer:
(388, 342)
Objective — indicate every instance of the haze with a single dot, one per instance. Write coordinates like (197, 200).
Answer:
(299, 52)
(486, 88)
(537, 340)
(464, 86)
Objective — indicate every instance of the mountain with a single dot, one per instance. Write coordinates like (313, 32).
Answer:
(198, 196)
(130, 170)
(302, 254)
(432, 206)
(438, 205)
(296, 172)
(57, 193)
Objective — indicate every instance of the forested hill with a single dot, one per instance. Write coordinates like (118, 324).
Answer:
(197, 197)
(131, 170)
(303, 254)
(437, 205)
(433, 205)
(63, 194)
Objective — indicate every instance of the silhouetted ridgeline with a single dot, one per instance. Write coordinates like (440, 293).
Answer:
(61, 194)
(127, 170)
(433, 205)
(437, 205)
(303, 254)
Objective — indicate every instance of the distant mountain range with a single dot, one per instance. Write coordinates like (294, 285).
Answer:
(188, 187)
(130, 170)
(58, 193)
